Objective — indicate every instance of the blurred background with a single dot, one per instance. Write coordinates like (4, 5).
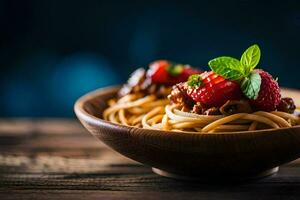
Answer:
(52, 52)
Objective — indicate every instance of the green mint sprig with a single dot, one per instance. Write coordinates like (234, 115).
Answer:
(240, 70)
(251, 85)
(250, 58)
(229, 68)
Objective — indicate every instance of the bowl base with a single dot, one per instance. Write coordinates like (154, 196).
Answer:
(208, 178)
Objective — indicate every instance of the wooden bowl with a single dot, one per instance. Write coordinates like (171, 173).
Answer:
(192, 156)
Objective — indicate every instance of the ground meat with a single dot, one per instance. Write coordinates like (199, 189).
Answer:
(135, 83)
(198, 108)
(140, 83)
(163, 91)
(235, 106)
(152, 89)
(286, 105)
(212, 111)
(179, 96)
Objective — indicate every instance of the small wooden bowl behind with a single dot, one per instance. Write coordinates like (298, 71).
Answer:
(186, 155)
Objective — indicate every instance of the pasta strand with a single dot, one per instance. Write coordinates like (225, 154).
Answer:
(152, 113)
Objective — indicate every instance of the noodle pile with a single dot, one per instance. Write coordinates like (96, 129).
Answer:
(176, 120)
(226, 107)
(130, 109)
(153, 113)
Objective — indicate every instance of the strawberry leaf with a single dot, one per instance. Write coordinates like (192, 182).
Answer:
(228, 67)
(175, 69)
(194, 80)
(251, 85)
(250, 58)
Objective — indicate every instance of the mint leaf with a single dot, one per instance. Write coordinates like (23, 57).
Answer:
(175, 69)
(194, 80)
(251, 85)
(228, 67)
(250, 58)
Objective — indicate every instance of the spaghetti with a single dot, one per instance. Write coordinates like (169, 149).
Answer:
(132, 108)
(146, 92)
(176, 120)
(152, 113)
(221, 100)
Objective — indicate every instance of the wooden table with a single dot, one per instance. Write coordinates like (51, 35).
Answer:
(58, 159)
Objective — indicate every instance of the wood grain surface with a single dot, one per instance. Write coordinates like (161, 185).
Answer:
(58, 159)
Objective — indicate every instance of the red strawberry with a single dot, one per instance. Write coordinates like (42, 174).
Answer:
(158, 71)
(167, 73)
(187, 71)
(213, 90)
(269, 94)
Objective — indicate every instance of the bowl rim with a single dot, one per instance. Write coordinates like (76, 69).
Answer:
(82, 114)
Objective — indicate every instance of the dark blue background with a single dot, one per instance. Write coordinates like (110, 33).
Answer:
(51, 52)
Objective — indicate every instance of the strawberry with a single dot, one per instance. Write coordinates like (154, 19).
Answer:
(269, 93)
(167, 73)
(212, 90)
(187, 71)
(158, 71)
(257, 85)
